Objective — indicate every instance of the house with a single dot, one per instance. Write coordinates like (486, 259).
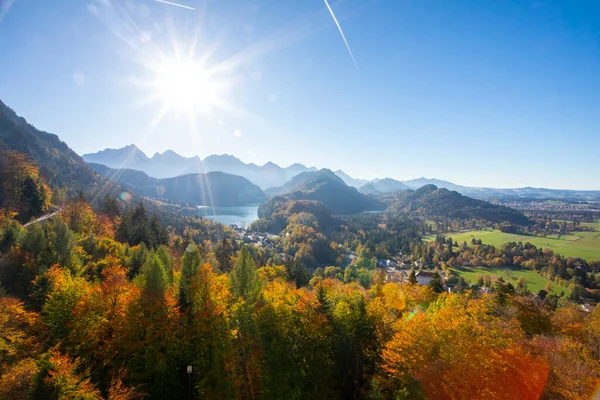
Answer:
(381, 263)
(586, 308)
(424, 277)
(396, 276)
(486, 290)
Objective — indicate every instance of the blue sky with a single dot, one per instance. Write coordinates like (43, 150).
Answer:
(481, 93)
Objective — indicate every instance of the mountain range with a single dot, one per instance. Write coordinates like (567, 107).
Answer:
(270, 176)
(170, 164)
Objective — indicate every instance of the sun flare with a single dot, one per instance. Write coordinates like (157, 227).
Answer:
(184, 85)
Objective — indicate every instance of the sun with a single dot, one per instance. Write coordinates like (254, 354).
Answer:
(181, 80)
(183, 84)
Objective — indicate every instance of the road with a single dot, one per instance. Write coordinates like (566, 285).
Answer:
(43, 218)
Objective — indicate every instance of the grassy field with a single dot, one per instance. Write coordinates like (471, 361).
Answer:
(535, 282)
(579, 244)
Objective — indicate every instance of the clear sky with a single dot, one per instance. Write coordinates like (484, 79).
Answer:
(481, 93)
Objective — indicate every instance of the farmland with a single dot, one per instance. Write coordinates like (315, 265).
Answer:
(535, 282)
(578, 244)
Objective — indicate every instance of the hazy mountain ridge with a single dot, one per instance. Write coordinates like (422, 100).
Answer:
(385, 185)
(270, 176)
(170, 164)
(214, 188)
(350, 181)
(210, 189)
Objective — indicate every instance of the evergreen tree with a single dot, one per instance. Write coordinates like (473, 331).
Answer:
(34, 239)
(140, 228)
(412, 277)
(123, 232)
(32, 197)
(321, 298)
(156, 280)
(166, 260)
(521, 288)
(244, 280)
(503, 290)
(138, 259)
(224, 255)
(190, 265)
(110, 207)
(436, 284)
(9, 236)
(161, 235)
(62, 242)
(298, 274)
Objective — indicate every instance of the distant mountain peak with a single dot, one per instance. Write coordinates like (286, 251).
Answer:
(169, 164)
(270, 164)
(350, 181)
(224, 156)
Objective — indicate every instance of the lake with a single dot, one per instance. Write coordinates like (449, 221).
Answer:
(240, 215)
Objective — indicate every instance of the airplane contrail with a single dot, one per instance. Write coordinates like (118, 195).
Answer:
(341, 33)
(175, 4)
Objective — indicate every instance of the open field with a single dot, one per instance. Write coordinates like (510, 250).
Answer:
(535, 282)
(579, 244)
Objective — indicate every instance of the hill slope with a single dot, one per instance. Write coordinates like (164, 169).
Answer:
(212, 188)
(420, 182)
(59, 165)
(429, 200)
(369, 188)
(328, 188)
(386, 185)
(350, 181)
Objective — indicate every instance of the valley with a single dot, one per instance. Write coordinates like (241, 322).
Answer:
(577, 244)
(299, 200)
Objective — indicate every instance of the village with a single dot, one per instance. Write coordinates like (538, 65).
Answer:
(397, 269)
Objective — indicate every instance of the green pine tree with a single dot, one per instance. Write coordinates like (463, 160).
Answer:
(190, 265)
(156, 280)
(244, 279)
(436, 284)
(412, 277)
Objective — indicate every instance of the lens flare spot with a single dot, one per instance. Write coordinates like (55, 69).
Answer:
(125, 196)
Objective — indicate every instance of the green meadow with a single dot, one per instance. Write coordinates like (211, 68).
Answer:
(579, 244)
(535, 282)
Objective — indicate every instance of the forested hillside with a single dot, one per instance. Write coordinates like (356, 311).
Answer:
(105, 306)
(60, 166)
(23, 192)
(329, 189)
(431, 201)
